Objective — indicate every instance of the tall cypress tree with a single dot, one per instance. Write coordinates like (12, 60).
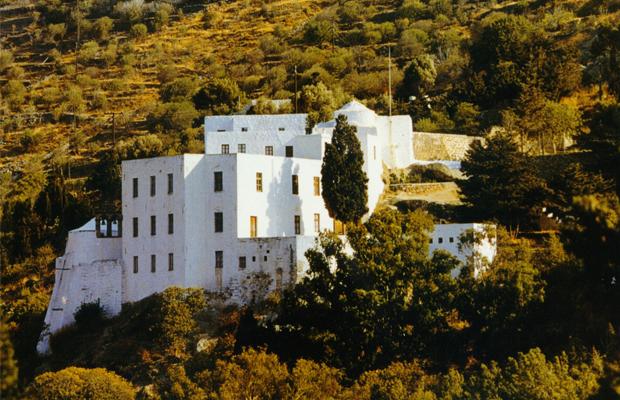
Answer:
(345, 184)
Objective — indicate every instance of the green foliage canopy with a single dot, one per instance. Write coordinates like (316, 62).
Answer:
(344, 182)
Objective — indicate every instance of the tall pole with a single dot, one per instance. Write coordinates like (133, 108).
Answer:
(390, 81)
(296, 111)
(77, 49)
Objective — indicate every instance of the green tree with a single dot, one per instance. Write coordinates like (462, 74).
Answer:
(531, 376)
(180, 89)
(592, 235)
(606, 46)
(319, 102)
(501, 183)
(172, 117)
(511, 51)
(378, 305)
(500, 304)
(219, 96)
(419, 78)
(311, 380)
(466, 117)
(172, 319)
(344, 182)
(250, 375)
(105, 180)
(603, 141)
(79, 383)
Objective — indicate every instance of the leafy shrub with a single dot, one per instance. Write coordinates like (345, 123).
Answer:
(15, 93)
(89, 316)
(211, 18)
(172, 116)
(317, 31)
(99, 101)
(429, 173)
(412, 42)
(30, 139)
(15, 72)
(89, 51)
(56, 32)
(102, 27)
(138, 31)
(426, 125)
(162, 15)
(180, 89)
(219, 96)
(6, 59)
(79, 383)
(130, 12)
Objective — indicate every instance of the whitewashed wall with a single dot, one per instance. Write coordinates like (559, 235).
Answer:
(262, 130)
(276, 206)
(144, 282)
(449, 235)
(89, 271)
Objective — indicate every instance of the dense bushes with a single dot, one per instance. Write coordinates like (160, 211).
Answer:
(79, 383)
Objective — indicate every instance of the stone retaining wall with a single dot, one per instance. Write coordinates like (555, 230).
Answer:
(441, 146)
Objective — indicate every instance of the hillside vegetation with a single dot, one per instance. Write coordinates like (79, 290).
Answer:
(85, 84)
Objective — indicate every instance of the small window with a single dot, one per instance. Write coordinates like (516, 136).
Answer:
(281, 129)
(297, 225)
(153, 225)
(219, 221)
(153, 263)
(170, 184)
(170, 262)
(269, 150)
(225, 149)
(339, 227)
(259, 181)
(152, 186)
(253, 226)
(241, 148)
(217, 181)
(135, 264)
(242, 262)
(253, 258)
(135, 187)
(451, 240)
(374, 152)
(170, 224)
(289, 151)
(430, 240)
(317, 186)
(135, 226)
(440, 240)
(219, 259)
(295, 183)
(264, 258)
(317, 223)
(244, 129)
(221, 130)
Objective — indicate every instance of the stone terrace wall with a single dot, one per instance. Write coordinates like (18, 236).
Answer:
(441, 146)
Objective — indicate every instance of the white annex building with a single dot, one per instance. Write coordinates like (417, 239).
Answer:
(251, 203)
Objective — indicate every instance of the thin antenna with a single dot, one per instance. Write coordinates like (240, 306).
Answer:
(296, 89)
(390, 80)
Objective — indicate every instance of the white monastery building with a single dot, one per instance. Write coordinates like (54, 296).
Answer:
(251, 203)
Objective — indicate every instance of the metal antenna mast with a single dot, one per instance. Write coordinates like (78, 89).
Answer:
(390, 81)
